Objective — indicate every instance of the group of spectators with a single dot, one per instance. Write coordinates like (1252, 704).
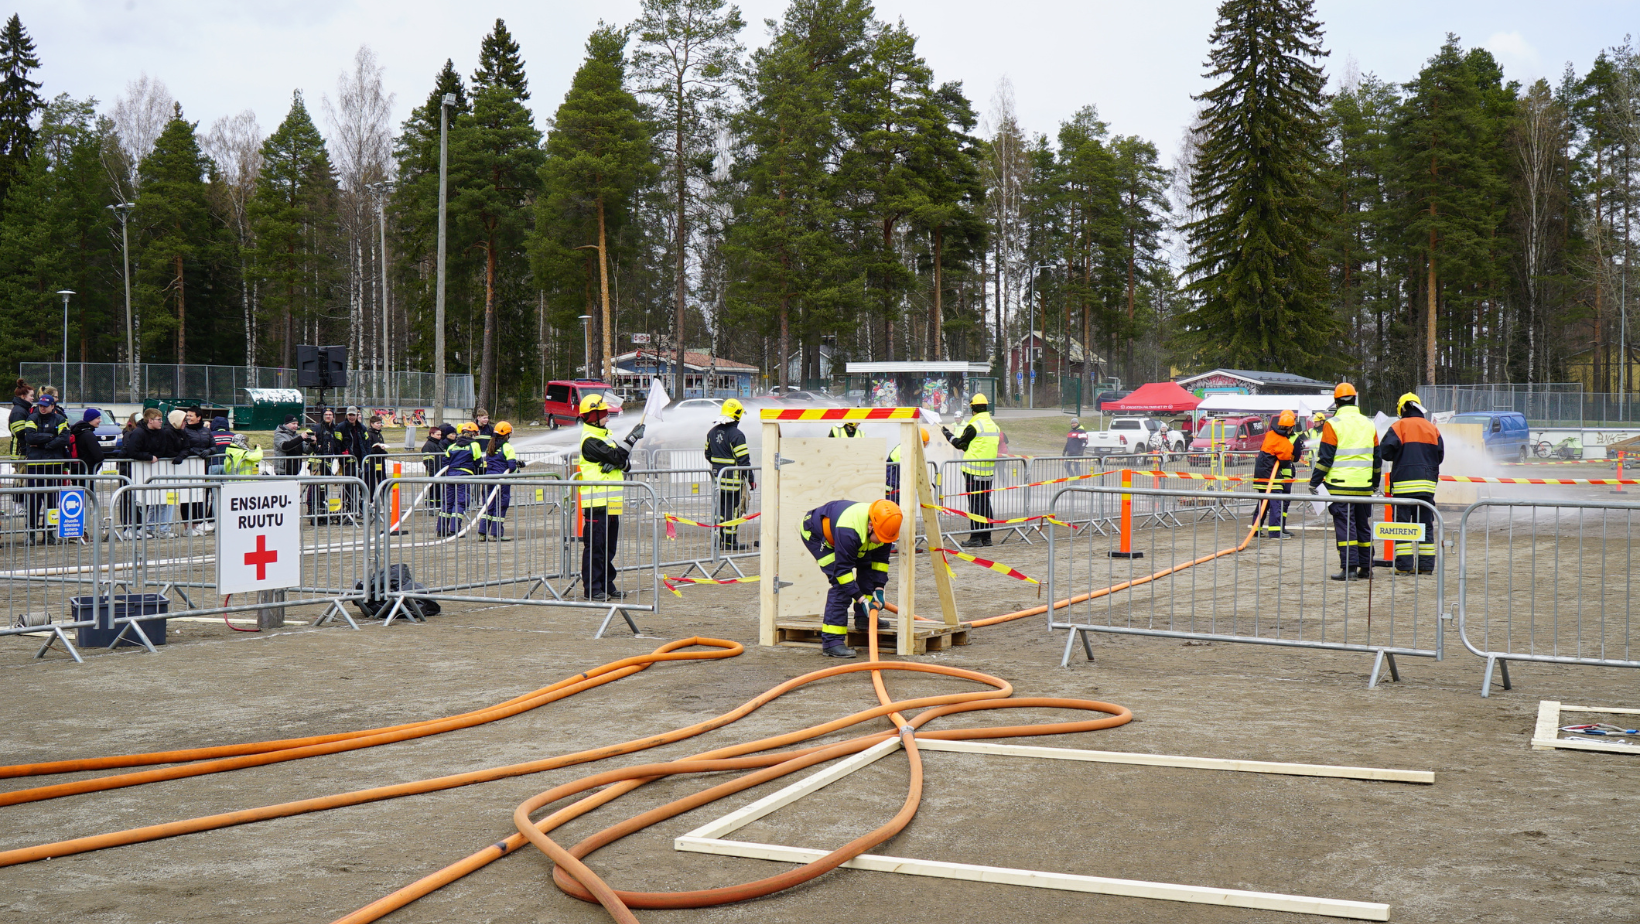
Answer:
(350, 447)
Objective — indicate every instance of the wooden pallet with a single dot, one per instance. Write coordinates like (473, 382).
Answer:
(925, 636)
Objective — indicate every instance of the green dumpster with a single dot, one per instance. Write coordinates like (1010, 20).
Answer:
(266, 408)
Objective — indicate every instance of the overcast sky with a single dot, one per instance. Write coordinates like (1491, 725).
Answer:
(1138, 63)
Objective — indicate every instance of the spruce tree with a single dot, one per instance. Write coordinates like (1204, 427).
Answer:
(1259, 288)
(177, 230)
(19, 101)
(953, 195)
(293, 217)
(598, 155)
(494, 164)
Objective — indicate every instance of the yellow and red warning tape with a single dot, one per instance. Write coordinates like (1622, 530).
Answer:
(979, 519)
(673, 519)
(842, 413)
(998, 567)
(672, 582)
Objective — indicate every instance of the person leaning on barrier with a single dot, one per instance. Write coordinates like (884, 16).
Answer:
(290, 444)
(1414, 449)
(22, 405)
(980, 442)
(45, 441)
(499, 459)
(850, 542)
(602, 460)
(892, 478)
(221, 439)
(726, 449)
(464, 457)
(151, 442)
(374, 465)
(1348, 463)
(1273, 473)
(83, 445)
(438, 440)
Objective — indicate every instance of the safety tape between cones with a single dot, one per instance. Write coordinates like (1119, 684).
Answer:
(672, 520)
(979, 519)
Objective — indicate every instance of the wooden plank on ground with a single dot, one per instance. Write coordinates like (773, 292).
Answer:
(1194, 763)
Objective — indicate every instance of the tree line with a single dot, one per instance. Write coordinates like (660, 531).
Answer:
(824, 197)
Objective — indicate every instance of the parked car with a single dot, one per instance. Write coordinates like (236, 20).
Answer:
(810, 397)
(1504, 433)
(1135, 434)
(698, 404)
(563, 402)
(1228, 434)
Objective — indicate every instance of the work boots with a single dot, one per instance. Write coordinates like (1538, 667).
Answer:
(834, 648)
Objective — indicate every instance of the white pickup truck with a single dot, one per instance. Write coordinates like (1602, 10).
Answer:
(1135, 434)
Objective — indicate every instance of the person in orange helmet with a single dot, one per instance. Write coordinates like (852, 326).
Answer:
(850, 541)
(1275, 461)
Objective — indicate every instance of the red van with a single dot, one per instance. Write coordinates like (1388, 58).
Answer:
(564, 400)
(1243, 435)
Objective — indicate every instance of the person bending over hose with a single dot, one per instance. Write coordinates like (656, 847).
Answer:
(850, 542)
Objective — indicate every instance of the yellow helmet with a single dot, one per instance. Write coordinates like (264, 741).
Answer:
(733, 409)
(503, 429)
(1408, 398)
(979, 401)
(593, 402)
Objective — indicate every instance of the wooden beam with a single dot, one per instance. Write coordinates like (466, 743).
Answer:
(1100, 885)
(910, 454)
(1606, 709)
(936, 540)
(1544, 744)
(1194, 763)
(768, 559)
(740, 818)
(1548, 724)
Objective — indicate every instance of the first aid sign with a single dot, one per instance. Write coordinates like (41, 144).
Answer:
(258, 537)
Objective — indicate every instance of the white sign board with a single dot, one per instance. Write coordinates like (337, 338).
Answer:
(258, 537)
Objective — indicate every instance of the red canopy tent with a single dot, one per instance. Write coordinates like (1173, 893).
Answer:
(1156, 398)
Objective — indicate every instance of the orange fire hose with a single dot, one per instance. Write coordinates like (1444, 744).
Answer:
(570, 873)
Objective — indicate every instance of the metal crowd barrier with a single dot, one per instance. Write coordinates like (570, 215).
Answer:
(486, 547)
(1545, 581)
(171, 547)
(41, 574)
(747, 537)
(1275, 592)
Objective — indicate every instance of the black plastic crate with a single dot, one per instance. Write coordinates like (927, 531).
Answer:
(119, 606)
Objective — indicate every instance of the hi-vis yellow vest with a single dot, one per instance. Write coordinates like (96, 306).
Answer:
(594, 494)
(979, 459)
(1352, 462)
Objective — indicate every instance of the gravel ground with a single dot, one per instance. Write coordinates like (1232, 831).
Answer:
(1506, 834)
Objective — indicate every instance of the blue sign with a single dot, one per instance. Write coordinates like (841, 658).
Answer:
(71, 514)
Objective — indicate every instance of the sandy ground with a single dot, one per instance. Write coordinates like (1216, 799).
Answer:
(1506, 834)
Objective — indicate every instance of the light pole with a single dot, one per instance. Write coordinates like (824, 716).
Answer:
(586, 346)
(381, 190)
(438, 299)
(65, 293)
(1030, 337)
(123, 209)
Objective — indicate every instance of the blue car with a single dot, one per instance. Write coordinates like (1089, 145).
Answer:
(1505, 433)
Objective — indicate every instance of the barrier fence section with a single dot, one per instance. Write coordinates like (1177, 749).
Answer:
(743, 540)
(1548, 581)
(516, 540)
(41, 573)
(1275, 592)
(171, 547)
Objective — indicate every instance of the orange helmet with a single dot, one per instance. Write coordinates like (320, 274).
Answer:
(884, 517)
(1344, 390)
(924, 435)
(1287, 419)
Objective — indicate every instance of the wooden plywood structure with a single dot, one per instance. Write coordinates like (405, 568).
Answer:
(800, 474)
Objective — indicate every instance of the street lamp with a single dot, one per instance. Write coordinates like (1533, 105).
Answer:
(438, 299)
(381, 190)
(65, 293)
(586, 346)
(123, 209)
(1030, 336)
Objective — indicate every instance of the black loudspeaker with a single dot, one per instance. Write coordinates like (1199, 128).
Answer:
(321, 366)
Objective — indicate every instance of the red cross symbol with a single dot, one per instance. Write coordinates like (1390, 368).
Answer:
(262, 557)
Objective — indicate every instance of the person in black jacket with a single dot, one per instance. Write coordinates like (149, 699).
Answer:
(353, 444)
(151, 442)
(22, 405)
(1415, 450)
(375, 458)
(86, 449)
(45, 442)
(438, 441)
(326, 443)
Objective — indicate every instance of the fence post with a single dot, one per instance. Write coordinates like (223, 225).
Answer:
(1619, 472)
(398, 472)
(1126, 550)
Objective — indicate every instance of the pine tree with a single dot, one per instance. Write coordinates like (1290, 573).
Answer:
(495, 160)
(952, 195)
(19, 101)
(598, 155)
(1141, 190)
(176, 222)
(686, 60)
(1259, 286)
(293, 217)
